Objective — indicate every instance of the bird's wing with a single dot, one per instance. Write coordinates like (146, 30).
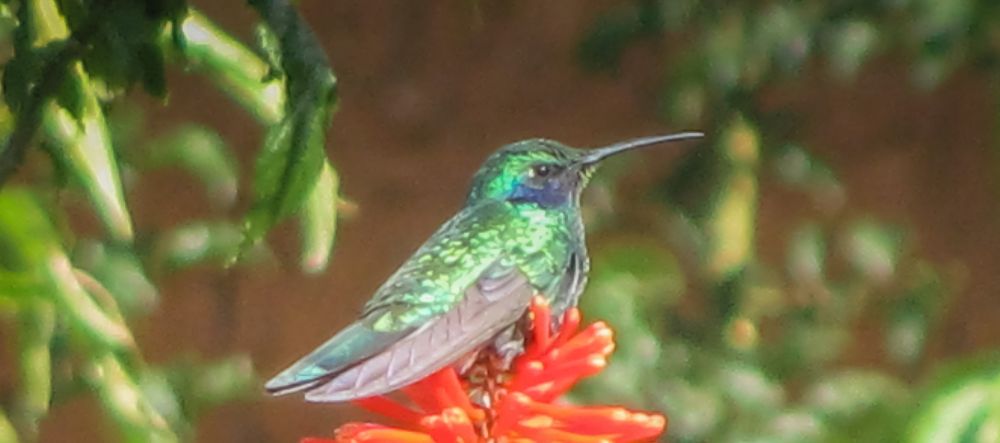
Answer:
(436, 276)
(351, 345)
(405, 304)
(497, 300)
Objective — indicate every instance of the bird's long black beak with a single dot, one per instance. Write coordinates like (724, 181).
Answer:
(596, 155)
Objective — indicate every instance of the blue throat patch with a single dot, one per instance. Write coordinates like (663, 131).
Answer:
(553, 194)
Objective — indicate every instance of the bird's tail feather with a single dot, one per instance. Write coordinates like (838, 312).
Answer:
(350, 346)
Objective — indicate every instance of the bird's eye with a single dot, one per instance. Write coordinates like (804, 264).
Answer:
(542, 170)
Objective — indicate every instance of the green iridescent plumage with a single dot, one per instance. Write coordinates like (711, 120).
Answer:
(532, 239)
(519, 234)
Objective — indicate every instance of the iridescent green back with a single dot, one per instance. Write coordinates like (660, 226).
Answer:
(533, 239)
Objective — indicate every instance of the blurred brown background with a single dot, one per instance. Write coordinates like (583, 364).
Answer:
(429, 89)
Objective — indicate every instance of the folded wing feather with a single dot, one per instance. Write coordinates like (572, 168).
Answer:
(498, 299)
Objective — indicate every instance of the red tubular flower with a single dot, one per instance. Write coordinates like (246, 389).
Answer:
(522, 401)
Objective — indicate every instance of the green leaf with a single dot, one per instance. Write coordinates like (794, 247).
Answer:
(129, 406)
(231, 66)
(914, 313)
(730, 226)
(271, 47)
(293, 92)
(695, 411)
(763, 296)
(86, 145)
(807, 255)
(164, 399)
(811, 344)
(25, 223)
(44, 21)
(292, 158)
(42, 61)
(940, 28)
(961, 406)
(725, 51)
(749, 388)
(204, 385)
(782, 34)
(319, 221)
(198, 242)
(287, 169)
(119, 270)
(793, 426)
(874, 249)
(154, 79)
(84, 314)
(851, 44)
(860, 405)
(7, 432)
(124, 44)
(686, 102)
(202, 152)
(72, 97)
(8, 22)
(184, 390)
(801, 170)
(18, 286)
(26, 234)
(25, 239)
(36, 323)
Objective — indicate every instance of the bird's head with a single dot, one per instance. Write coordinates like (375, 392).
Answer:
(548, 173)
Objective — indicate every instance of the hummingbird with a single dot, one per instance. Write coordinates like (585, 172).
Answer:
(468, 286)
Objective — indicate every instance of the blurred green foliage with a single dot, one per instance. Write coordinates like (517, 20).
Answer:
(71, 296)
(754, 351)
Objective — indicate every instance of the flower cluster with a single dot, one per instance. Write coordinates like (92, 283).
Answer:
(520, 403)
